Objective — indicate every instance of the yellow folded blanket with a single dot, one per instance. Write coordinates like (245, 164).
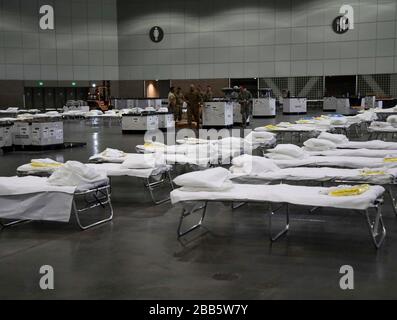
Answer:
(152, 145)
(372, 173)
(271, 127)
(349, 191)
(45, 165)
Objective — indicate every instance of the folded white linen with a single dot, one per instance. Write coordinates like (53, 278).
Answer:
(340, 162)
(253, 164)
(372, 144)
(280, 156)
(162, 110)
(94, 113)
(232, 143)
(192, 141)
(172, 159)
(289, 150)
(207, 179)
(298, 195)
(12, 109)
(110, 155)
(319, 145)
(52, 113)
(74, 173)
(116, 170)
(368, 153)
(335, 138)
(113, 153)
(323, 174)
(28, 169)
(259, 137)
(227, 185)
(379, 124)
(143, 161)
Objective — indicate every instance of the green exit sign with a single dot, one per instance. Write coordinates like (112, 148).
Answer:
(74, 84)
(41, 83)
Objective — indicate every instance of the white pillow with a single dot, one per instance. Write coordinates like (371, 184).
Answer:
(256, 137)
(289, 150)
(209, 179)
(392, 119)
(140, 161)
(255, 165)
(74, 173)
(335, 138)
(319, 145)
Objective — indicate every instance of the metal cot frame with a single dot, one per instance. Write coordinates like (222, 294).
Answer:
(150, 183)
(375, 225)
(93, 198)
(388, 187)
(374, 134)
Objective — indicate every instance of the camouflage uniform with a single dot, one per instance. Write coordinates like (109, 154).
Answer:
(193, 100)
(245, 99)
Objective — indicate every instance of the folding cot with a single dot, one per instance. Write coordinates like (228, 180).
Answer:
(153, 177)
(33, 198)
(285, 195)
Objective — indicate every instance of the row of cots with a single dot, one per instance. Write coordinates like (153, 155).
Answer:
(363, 172)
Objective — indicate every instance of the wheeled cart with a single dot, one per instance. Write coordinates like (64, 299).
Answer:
(166, 120)
(218, 114)
(139, 122)
(264, 107)
(295, 106)
(329, 104)
(237, 116)
(6, 129)
(368, 102)
(343, 106)
(38, 132)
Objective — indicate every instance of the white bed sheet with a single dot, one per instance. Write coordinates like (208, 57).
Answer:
(341, 162)
(116, 170)
(368, 153)
(372, 144)
(110, 169)
(298, 195)
(33, 198)
(320, 174)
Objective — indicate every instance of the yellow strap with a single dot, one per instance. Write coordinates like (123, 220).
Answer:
(390, 160)
(353, 191)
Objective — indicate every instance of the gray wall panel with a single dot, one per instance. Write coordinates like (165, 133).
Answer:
(83, 46)
(254, 38)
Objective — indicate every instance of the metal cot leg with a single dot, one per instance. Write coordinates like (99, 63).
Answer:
(188, 213)
(103, 202)
(393, 200)
(284, 231)
(151, 186)
(376, 227)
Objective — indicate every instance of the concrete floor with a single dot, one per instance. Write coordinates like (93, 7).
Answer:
(138, 256)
